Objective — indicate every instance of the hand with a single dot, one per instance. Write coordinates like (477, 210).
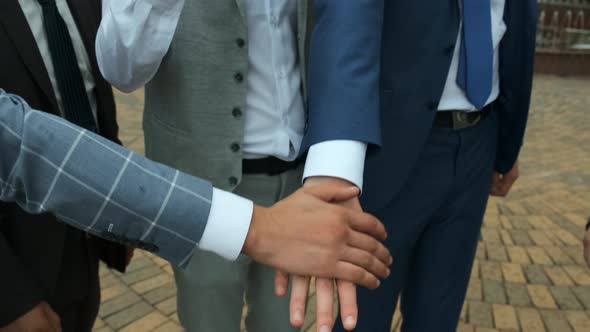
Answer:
(501, 183)
(305, 235)
(324, 286)
(40, 319)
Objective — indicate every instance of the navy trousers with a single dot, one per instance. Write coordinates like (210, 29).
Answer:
(433, 227)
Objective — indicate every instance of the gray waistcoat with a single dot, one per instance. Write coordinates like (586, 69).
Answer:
(194, 105)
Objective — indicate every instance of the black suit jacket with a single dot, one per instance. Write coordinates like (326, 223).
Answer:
(32, 247)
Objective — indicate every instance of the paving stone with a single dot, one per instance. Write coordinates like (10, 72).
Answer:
(128, 315)
(474, 290)
(118, 303)
(521, 238)
(536, 275)
(539, 238)
(513, 273)
(462, 327)
(168, 306)
(558, 276)
(496, 252)
(169, 327)
(555, 321)
(518, 295)
(541, 297)
(530, 320)
(579, 320)
(506, 238)
(141, 274)
(580, 275)
(539, 256)
(518, 255)
(146, 323)
(583, 295)
(493, 292)
(152, 283)
(558, 256)
(111, 292)
(491, 270)
(505, 317)
(565, 298)
(480, 314)
(161, 293)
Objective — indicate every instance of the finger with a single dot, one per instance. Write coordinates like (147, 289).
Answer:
(366, 261)
(348, 305)
(355, 274)
(364, 242)
(52, 317)
(366, 223)
(325, 304)
(330, 193)
(281, 283)
(299, 287)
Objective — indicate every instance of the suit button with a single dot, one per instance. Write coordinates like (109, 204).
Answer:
(240, 42)
(233, 181)
(236, 112)
(238, 77)
(235, 147)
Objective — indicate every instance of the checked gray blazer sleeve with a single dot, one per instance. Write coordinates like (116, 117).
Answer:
(88, 182)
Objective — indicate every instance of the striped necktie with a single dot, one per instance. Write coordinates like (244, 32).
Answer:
(476, 59)
(67, 73)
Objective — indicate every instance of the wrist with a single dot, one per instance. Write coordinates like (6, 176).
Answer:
(253, 236)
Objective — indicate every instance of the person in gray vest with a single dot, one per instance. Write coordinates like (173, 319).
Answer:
(225, 83)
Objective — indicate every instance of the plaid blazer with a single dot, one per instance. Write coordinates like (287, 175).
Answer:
(93, 184)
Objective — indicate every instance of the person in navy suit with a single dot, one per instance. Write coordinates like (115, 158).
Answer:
(440, 95)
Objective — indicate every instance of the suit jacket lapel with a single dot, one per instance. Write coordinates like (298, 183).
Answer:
(17, 27)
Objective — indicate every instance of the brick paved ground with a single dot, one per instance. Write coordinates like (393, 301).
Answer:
(529, 274)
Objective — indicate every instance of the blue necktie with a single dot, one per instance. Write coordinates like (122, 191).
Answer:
(476, 60)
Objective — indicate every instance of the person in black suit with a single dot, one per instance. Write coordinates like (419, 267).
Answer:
(50, 270)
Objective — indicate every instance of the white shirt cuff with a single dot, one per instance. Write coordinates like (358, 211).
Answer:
(227, 225)
(344, 159)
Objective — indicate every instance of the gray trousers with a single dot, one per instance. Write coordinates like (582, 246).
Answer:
(211, 291)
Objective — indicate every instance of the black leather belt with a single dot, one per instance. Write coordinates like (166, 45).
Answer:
(270, 165)
(460, 119)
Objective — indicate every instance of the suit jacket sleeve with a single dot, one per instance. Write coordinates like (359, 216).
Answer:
(50, 165)
(344, 72)
(16, 282)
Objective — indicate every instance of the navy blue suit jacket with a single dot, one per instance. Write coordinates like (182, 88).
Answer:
(377, 72)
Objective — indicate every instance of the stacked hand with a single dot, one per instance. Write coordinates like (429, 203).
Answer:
(325, 286)
(306, 235)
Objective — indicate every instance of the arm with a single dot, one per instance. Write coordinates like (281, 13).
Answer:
(344, 111)
(133, 37)
(50, 165)
(343, 85)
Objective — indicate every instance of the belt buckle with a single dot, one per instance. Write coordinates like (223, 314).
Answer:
(462, 120)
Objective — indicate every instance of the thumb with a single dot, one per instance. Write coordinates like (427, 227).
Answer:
(330, 192)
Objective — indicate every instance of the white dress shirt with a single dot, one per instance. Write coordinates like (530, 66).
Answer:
(34, 15)
(453, 97)
(132, 40)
